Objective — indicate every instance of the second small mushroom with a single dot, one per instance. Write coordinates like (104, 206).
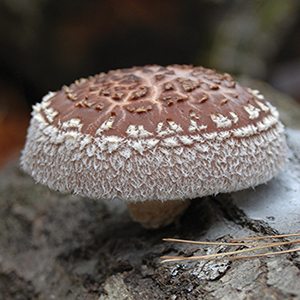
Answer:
(154, 137)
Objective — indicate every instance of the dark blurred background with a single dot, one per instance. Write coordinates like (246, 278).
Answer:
(45, 44)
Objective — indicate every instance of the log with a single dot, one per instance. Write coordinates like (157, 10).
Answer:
(55, 246)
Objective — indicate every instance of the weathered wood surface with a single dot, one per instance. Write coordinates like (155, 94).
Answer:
(56, 246)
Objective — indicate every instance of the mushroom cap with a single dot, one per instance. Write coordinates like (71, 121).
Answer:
(154, 133)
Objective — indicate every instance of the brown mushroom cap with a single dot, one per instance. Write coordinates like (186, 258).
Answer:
(154, 133)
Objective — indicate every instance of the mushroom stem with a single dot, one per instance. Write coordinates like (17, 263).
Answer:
(154, 214)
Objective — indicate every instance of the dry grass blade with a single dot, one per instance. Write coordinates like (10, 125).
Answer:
(209, 257)
(233, 252)
(212, 243)
(222, 256)
(266, 237)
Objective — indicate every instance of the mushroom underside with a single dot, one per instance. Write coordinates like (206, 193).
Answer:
(161, 173)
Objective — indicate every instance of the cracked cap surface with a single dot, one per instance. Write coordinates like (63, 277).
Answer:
(153, 100)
